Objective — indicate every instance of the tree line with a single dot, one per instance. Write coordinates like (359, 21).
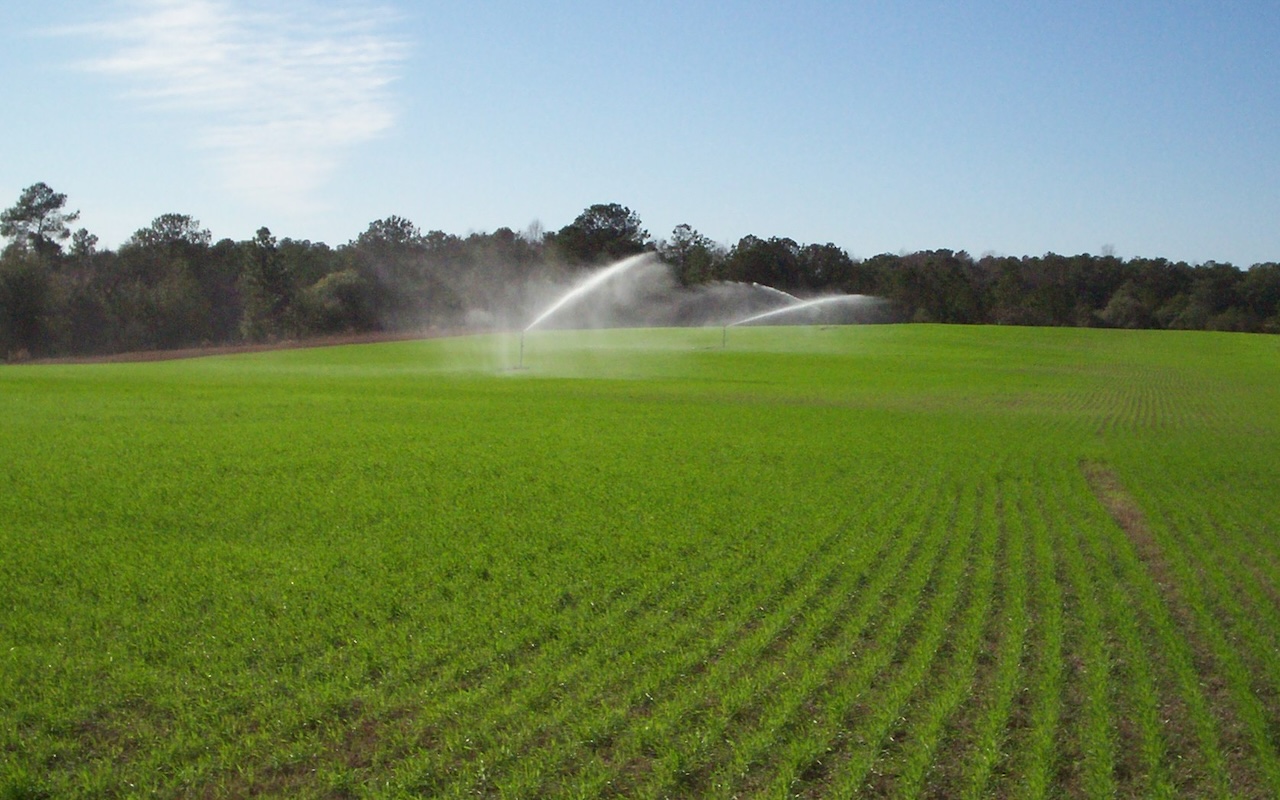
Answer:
(169, 285)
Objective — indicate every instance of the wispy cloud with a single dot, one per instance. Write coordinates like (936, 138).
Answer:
(276, 98)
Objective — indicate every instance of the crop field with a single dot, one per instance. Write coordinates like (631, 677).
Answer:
(904, 561)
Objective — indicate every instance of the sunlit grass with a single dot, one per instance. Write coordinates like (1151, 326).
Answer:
(840, 560)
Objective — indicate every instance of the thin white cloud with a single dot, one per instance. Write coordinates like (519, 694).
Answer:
(275, 97)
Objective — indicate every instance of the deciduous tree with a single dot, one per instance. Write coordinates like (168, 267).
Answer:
(24, 299)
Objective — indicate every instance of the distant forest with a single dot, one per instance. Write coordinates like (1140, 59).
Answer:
(171, 286)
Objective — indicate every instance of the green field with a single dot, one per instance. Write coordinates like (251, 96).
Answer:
(877, 561)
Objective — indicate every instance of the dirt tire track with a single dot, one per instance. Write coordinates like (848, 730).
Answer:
(1128, 515)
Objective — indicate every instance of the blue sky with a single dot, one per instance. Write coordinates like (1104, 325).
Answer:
(1152, 129)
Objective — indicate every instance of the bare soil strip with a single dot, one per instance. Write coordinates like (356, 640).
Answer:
(1122, 507)
(373, 337)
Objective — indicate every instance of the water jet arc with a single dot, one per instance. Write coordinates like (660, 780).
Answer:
(788, 296)
(799, 305)
(587, 284)
(579, 289)
(820, 301)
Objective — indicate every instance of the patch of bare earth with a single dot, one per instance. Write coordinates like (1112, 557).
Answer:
(363, 743)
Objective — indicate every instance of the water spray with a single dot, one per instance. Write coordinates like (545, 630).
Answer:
(787, 296)
(586, 285)
(579, 289)
(798, 306)
(594, 280)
